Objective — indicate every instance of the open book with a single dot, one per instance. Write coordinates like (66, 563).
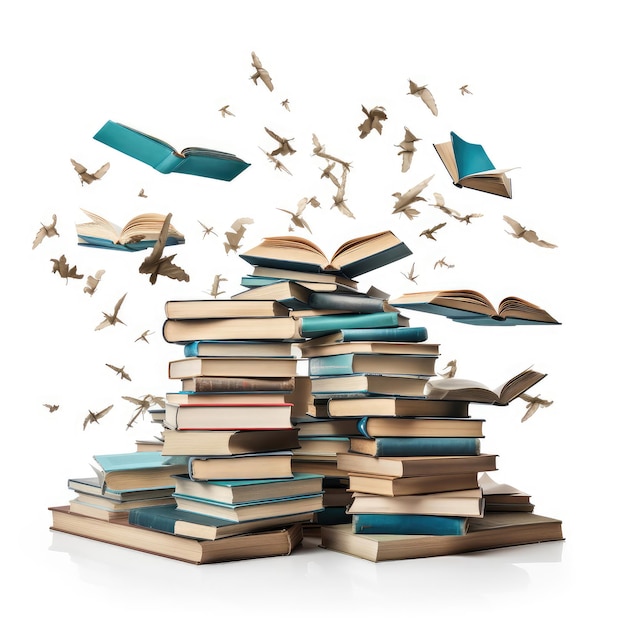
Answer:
(471, 307)
(166, 159)
(139, 233)
(469, 166)
(474, 391)
(354, 257)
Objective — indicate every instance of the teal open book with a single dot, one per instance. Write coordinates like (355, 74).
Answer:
(165, 158)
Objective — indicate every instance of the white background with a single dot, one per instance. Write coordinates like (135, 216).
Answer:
(544, 91)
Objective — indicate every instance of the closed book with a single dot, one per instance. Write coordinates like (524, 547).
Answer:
(92, 485)
(190, 367)
(105, 503)
(356, 302)
(395, 406)
(265, 328)
(240, 466)
(353, 363)
(371, 347)
(174, 521)
(274, 273)
(464, 503)
(420, 427)
(322, 446)
(236, 384)
(247, 490)
(408, 524)
(227, 416)
(135, 470)
(216, 308)
(415, 446)
(397, 334)
(314, 326)
(239, 348)
(311, 426)
(227, 442)
(214, 397)
(368, 385)
(415, 465)
(411, 485)
(245, 511)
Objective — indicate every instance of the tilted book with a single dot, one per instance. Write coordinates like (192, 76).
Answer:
(415, 446)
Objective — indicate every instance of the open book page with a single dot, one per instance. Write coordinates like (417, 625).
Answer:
(492, 487)
(99, 227)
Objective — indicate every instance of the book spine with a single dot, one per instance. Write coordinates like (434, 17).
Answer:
(235, 384)
(324, 324)
(402, 334)
(358, 303)
(334, 365)
(406, 524)
(361, 426)
(427, 446)
(143, 517)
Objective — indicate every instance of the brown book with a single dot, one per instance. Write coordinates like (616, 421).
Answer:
(503, 497)
(493, 530)
(243, 328)
(321, 446)
(234, 384)
(369, 384)
(227, 442)
(356, 363)
(318, 427)
(415, 465)
(310, 349)
(463, 503)
(412, 485)
(216, 308)
(242, 397)
(241, 467)
(394, 406)
(326, 467)
(190, 367)
(421, 427)
(104, 508)
(274, 542)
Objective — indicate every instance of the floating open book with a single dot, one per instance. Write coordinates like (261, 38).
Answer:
(472, 307)
(469, 166)
(166, 159)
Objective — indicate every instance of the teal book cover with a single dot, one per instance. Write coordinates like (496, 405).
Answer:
(164, 518)
(422, 446)
(400, 334)
(135, 460)
(137, 246)
(408, 524)
(471, 158)
(315, 326)
(165, 158)
(248, 503)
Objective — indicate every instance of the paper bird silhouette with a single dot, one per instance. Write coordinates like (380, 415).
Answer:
(339, 199)
(284, 145)
(142, 194)
(296, 218)
(261, 73)
(327, 172)
(464, 90)
(93, 281)
(424, 93)
(119, 370)
(533, 404)
(440, 204)
(450, 369)
(157, 265)
(207, 230)
(468, 217)
(285, 104)
(144, 404)
(87, 177)
(410, 276)
(48, 230)
(442, 263)
(52, 407)
(373, 121)
(143, 337)
(278, 165)
(429, 232)
(520, 232)
(61, 266)
(215, 291)
(111, 319)
(319, 150)
(404, 201)
(235, 235)
(407, 148)
(224, 111)
(93, 418)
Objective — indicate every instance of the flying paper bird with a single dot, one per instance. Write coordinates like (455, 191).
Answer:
(285, 104)
(318, 150)
(450, 369)
(464, 90)
(278, 165)
(327, 172)
(110, 319)
(224, 111)
(296, 218)
(410, 276)
(93, 281)
(143, 337)
(429, 232)
(218, 278)
(423, 93)
(235, 235)
(142, 194)
(48, 230)
(144, 404)
(87, 177)
(373, 121)
(157, 265)
(407, 149)
(207, 230)
(284, 145)
(442, 263)
(405, 200)
(261, 73)
(51, 407)
(533, 404)
(61, 266)
(339, 199)
(93, 418)
(440, 204)
(468, 217)
(120, 370)
(520, 232)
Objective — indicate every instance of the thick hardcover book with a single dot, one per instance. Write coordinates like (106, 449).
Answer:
(200, 309)
(238, 348)
(415, 446)
(403, 334)
(275, 542)
(408, 524)
(92, 485)
(412, 485)
(362, 363)
(420, 427)
(314, 326)
(165, 158)
(273, 274)
(238, 384)
(360, 385)
(241, 466)
(494, 530)
(395, 406)
(273, 367)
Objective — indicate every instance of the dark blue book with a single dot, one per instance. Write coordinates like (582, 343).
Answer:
(416, 446)
(408, 524)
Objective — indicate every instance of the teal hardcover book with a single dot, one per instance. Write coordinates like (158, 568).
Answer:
(370, 363)
(471, 158)
(165, 158)
(402, 334)
(416, 446)
(134, 460)
(314, 326)
(408, 524)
